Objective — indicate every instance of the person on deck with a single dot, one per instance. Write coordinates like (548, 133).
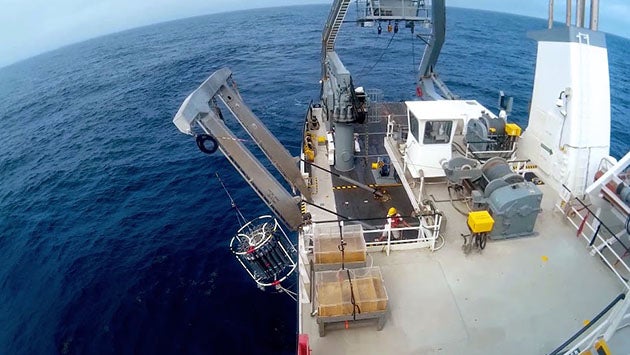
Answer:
(394, 220)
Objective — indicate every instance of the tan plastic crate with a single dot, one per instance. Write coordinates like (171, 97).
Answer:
(326, 245)
(369, 294)
(333, 296)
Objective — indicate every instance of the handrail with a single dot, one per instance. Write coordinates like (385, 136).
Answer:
(432, 229)
(400, 12)
(333, 16)
(619, 297)
(569, 210)
(425, 214)
(601, 223)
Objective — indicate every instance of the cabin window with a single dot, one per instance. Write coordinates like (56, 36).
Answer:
(437, 132)
(414, 127)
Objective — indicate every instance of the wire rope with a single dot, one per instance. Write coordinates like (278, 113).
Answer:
(363, 71)
(239, 216)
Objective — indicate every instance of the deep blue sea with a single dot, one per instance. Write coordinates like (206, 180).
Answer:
(114, 231)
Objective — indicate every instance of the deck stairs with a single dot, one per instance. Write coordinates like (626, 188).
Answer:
(335, 20)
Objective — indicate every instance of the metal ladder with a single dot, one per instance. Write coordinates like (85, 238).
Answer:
(335, 20)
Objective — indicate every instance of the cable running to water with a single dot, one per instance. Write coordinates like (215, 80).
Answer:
(363, 71)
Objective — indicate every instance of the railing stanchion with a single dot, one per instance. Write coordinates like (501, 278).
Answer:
(590, 244)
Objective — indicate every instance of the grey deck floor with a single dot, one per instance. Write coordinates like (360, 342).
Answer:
(520, 296)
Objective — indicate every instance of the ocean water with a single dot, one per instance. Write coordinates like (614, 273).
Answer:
(114, 231)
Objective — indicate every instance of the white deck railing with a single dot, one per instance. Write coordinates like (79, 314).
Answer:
(394, 10)
(591, 228)
(485, 154)
(426, 237)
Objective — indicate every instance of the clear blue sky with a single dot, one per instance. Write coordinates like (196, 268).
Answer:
(30, 27)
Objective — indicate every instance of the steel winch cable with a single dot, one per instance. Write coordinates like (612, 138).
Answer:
(342, 249)
(342, 246)
(355, 306)
(363, 71)
(239, 216)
